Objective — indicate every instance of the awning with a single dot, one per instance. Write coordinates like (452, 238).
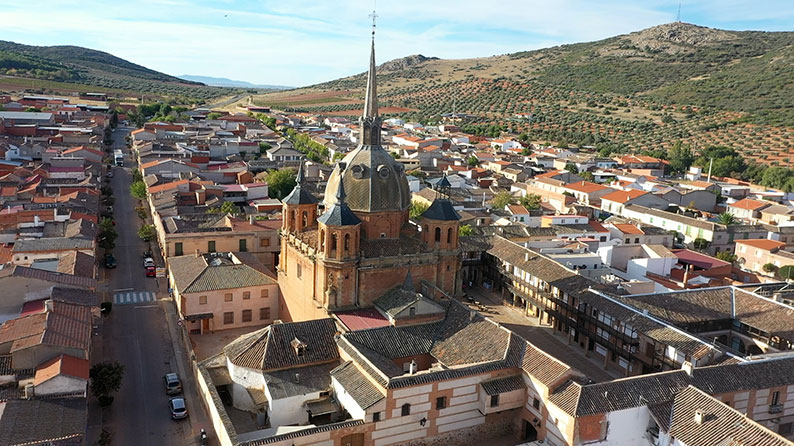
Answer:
(321, 407)
(198, 317)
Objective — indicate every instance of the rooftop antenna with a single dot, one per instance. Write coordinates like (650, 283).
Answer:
(678, 16)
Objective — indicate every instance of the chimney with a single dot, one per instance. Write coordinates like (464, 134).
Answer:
(297, 377)
(526, 257)
(686, 275)
(687, 367)
(251, 219)
(198, 253)
(700, 417)
(201, 196)
(412, 367)
(29, 391)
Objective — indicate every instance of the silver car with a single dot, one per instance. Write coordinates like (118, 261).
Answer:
(178, 408)
(172, 384)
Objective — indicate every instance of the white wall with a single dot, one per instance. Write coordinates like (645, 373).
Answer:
(61, 384)
(627, 428)
(290, 410)
(347, 401)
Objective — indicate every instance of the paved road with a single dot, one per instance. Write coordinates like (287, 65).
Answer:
(136, 334)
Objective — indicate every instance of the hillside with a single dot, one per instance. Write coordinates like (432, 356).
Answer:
(226, 82)
(73, 64)
(639, 91)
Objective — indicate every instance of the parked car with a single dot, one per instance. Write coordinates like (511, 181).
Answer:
(151, 272)
(178, 408)
(110, 261)
(110, 209)
(172, 384)
(109, 174)
(147, 262)
(147, 254)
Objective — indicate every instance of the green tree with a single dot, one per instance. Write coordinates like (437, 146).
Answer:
(587, 176)
(106, 237)
(227, 207)
(106, 379)
(280, 182)
(680, 157)
(726, 218)
(136, 175)
(114, 119)
(726, 161)
(147, 232)
(417, 209)
(701, 244)
(138, 190)
(530, 202)
(786, 272)
(726, 256)
(472, 161)
(264, 147)
(776, 177)
(501, 199)
(571, 167)
(769, 268)
(213, 116)
(465, 231)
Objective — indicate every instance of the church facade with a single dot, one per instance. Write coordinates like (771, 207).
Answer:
(363, 244)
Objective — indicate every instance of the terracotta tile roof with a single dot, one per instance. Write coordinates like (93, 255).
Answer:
(65, 325)
(361, 389)
(61, 365)
(167, 186)
(40, 274)
(765, 244)
(628, 229)
(749, 204)
(585, 186)
(77, 263)
(623, 196)
(517, 209)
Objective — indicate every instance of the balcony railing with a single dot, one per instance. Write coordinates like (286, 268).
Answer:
(775, 408)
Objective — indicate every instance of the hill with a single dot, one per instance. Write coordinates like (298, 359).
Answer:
(78, 65)
(226, 82)
(640, 91)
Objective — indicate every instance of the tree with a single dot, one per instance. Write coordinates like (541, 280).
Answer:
(147, 232)
(106, 379)
(680, 157)
(501, 199)
(138, 190)
(700, 244)
(530, 202)
(726, 161)
(226, 208)
(786, 272)
(264, 147)
(213, 116)
(726, 256)
(472, 161)
(417, 209)
(465, 231)
(587, 176)
(106, 238)
(769, 268)
(280, 182)
(136, 175)
(114, 119)
(571, 167)
(726, 218)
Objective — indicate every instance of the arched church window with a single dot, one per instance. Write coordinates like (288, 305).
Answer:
(449, 235)
(438, 234)
(305, 219)
(347, 242)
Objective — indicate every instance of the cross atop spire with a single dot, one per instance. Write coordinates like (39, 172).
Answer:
(373, 16)
(370, 120)
(340, 193)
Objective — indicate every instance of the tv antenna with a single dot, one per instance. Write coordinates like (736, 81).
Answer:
(678, 16)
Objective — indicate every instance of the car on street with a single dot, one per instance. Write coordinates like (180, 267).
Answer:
(178, 408)
(110, 209)
(172, 384)
(110, 261)
(151, 272)
(147, 253)
(109, 174)
(147, 262)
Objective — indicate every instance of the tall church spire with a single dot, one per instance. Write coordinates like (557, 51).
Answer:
(370, 120)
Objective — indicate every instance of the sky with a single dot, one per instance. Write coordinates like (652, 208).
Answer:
(302, 42)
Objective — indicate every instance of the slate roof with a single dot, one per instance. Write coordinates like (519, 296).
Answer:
(41, 421)
(214, 272)
(441, 210)
(503, 385)
(298, 194)
(398, 299)
(722, 424)
(269, 348)
(361, 389)
(74, 296)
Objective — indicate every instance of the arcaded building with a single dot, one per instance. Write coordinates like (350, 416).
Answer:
(363, 244)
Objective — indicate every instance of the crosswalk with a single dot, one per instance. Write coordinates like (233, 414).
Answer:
(133, 297)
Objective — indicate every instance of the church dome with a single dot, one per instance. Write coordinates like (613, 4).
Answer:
(373, 181)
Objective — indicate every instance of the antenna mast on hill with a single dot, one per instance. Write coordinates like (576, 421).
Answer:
(678, 16)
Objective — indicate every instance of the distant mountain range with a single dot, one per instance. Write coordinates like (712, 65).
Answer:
(225, 82)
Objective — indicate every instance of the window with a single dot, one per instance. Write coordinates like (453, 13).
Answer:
(412, 311)
(636, 240)
(775, 398)
(406, 410)
(449, 234)
(299, 272)
(178, 249)
(376, 417)
(211, 246)
(202, 300)
(494, 400)
(438, 234)
(603, 238)
(441, 402)
(264, 293)
(347, 242)
(228, 317)
(264, 313)
(243, 245)
(628, 240)
(246, 295)
(246, 315)
(536, 403)
(264, 243)
(227, 297)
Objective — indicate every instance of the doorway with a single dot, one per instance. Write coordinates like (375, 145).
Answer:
(205, 325)
(530, 433)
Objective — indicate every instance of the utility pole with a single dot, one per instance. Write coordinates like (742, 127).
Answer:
(711, 162)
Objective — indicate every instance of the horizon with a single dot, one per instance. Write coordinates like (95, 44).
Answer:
(265, 43)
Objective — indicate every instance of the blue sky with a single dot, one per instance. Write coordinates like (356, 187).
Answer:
(300, 42)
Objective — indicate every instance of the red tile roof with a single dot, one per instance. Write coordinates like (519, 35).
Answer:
(622, 196)
(765, 244)
(749, 204)
(61, 365)
(585, 186)
(629, 229)
(362, 319)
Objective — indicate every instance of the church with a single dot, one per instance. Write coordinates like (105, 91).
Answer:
(363, 245)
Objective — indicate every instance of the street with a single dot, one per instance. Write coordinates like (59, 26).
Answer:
(136, 333)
